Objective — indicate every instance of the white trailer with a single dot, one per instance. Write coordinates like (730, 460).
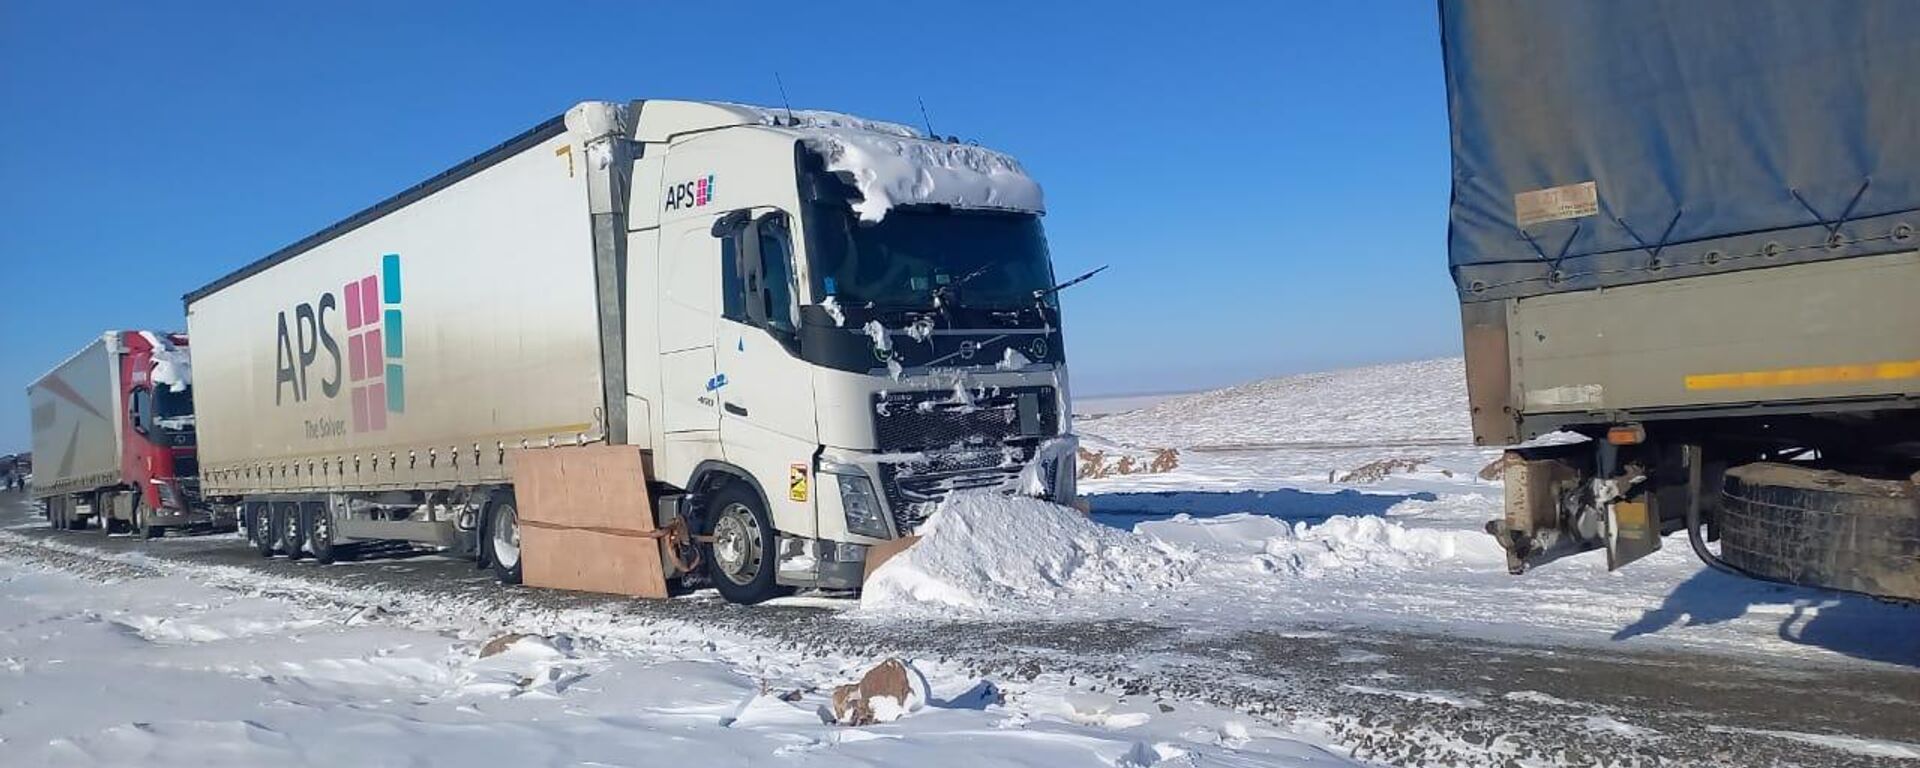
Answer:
(814, 327)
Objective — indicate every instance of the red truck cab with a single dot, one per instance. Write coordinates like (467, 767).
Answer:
(157, 456)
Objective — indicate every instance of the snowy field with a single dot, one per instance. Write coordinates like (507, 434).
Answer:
(165, 671)
(1262, 525)
(1310, 586)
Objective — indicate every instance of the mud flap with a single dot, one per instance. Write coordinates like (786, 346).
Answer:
(1632, 532)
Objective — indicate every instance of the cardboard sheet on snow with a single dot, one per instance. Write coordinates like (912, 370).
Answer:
(586, 522)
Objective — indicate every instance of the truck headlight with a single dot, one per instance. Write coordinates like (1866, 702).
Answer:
(858, 500)
(169, 497)
(863, 507)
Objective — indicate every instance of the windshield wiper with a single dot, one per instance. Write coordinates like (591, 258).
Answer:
(1045, 292)
(941, 293)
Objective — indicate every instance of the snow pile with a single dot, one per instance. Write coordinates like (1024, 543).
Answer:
(1419, 402)
(891, 170)
(172, 366)
(528, 664)
(1341, 545)
(987, 552)
(981, 551)
(1374, 544)
(594, 119)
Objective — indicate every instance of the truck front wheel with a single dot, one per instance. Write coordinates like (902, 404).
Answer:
(740, 557)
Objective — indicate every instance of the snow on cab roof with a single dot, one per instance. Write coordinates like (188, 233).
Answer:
(889, 163)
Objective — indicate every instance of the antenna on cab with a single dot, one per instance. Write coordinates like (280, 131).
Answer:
(925, 119)
(783, 98)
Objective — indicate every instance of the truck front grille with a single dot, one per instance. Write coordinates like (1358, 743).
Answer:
(915, 487)
(942, 419)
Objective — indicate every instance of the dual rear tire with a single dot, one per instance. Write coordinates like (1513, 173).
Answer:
(292, 529)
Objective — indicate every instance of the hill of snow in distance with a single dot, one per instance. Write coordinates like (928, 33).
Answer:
(1422, 402)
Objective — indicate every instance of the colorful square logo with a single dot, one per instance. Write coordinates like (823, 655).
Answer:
(376, 345)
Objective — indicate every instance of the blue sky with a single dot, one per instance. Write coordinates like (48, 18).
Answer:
(1268, 180)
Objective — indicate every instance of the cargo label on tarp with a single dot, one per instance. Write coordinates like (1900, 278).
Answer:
(1567, 201)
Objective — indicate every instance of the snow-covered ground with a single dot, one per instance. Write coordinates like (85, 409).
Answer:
(1267, 523)
(1313, 524)
(165, 670)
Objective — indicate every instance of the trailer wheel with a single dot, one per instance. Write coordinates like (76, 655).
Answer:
(317, 523)
(292, 537)
(1822, 528)
(260, 528)
(741, 556)
(502, 538)
(56, 514)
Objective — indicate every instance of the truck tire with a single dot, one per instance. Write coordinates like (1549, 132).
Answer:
(283, 528)
(316, 525)
(743, 548)
(501, 538)
(1822, 528)
(288, 529)
(260, 528)
(141, 526)
(56, 514)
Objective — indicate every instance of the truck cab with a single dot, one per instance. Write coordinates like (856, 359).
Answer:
(158, 456)
(853, 320)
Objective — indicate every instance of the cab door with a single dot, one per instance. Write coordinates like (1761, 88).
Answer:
(767, 422)
(688, 276)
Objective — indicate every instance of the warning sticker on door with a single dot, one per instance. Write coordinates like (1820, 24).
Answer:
(797, 482)
(1570, 201)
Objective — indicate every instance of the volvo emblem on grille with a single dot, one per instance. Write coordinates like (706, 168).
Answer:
(968, 349)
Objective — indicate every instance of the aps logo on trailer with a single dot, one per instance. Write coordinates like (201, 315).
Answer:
(372, 373)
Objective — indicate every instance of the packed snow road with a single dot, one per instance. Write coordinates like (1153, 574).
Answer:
(1320, 595)
(1377, 695)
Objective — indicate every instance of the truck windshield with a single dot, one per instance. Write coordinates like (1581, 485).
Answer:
(977, 259)
(170, 406)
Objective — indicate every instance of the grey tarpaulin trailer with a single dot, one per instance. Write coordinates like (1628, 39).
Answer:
(1686, 232)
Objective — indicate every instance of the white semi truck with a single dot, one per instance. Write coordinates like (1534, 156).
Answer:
(814, 326)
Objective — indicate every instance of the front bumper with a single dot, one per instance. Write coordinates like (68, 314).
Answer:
(911, 486)
(837, 560)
